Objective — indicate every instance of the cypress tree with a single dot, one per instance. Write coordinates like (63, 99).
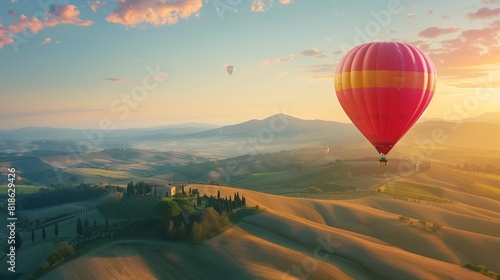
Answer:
(79, 226)
(18, 241)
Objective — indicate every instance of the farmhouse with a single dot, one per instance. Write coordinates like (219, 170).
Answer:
(164, 190)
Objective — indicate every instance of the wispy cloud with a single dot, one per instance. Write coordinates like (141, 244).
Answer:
(12, 12)
(114, 80)
(289, 58)
(411, 14)
(314, 52)
(434, 31)
(156, 12)
(484, 13)
(96, 5)
(328, 68)
(49, 112)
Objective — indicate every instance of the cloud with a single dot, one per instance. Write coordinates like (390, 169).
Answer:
(258, 6)
(261, 6)
(12, 12)
(57, 14)
(490, 1)
(430, 12)
(289, 58)
(96, 5)
(66, 14)
(328, 68)
(156, 12)
(472, 54)
(5, 39)
(47, 40)
(114, 80)
(313, 52)
(48, 112)
(480, 83)
(434, 31)
(484, 13)
(411, 14)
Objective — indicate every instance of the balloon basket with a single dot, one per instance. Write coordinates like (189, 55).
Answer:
(382, 163)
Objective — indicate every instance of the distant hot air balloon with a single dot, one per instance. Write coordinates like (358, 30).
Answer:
(325, 150)
(384, 87)
(230, 69)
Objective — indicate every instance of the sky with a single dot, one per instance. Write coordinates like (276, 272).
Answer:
(144, 63)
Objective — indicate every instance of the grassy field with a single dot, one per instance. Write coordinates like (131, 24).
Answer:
(414, 190)
(485, 190)
(26, 189)
(104, 173)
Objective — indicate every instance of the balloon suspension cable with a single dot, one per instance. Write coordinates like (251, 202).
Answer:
(382, 161)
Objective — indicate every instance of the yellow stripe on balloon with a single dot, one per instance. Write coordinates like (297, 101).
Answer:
(384, 79)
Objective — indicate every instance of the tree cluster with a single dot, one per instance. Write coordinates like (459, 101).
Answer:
(225, 204)
(138, 188)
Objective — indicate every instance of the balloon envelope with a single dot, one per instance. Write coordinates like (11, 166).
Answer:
(384, 87)
(230, 69)
(325, 150)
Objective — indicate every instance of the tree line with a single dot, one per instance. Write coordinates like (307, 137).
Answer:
(224, 204)
(53, 196)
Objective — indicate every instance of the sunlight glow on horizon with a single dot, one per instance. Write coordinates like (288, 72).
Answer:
(87, 63)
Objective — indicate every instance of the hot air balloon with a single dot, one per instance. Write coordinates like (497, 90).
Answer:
(384, 87)
(230, 69)
(325, 150)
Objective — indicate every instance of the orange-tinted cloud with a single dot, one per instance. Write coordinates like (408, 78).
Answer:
(434, 31)
(4, 37)
(472, 54)
(485, 13)
(58, 14)
(156, 12)
(96, 5)
(46, 40)
(67, 14)
(264, 5)
(258, 6)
